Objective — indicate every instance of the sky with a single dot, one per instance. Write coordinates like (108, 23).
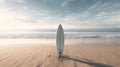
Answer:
(22, 15)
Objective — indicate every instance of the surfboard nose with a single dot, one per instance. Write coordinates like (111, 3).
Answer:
(60, 25)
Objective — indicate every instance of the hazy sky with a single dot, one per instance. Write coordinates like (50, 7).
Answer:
(43, 14)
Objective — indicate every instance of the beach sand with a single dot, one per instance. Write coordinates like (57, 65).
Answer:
(46, 56)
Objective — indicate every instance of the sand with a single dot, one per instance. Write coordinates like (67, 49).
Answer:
(46, 56)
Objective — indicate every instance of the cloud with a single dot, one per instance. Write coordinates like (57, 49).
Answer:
(65, 2)
(2, 1)
(11, 20)
(9, 14)
(101, 14)
(19, 1)
(109, 18)
(31, 16)
(73, 21)
(114, 19)
(26, 8)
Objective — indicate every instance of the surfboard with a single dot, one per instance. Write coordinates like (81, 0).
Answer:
(60, 40)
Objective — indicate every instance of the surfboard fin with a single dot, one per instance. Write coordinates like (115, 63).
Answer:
(60, 53)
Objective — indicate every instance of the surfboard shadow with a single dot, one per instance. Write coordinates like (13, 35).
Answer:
(85, 61)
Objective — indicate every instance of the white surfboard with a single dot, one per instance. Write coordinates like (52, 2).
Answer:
(60, 40)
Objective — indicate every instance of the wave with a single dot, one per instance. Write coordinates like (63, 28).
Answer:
(53, 35)
(93, 36)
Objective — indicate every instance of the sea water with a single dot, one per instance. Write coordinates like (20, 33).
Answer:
(48, 37)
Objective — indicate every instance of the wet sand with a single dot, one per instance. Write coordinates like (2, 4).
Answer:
(46, 56)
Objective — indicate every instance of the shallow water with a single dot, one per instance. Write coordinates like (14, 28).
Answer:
(52, 41)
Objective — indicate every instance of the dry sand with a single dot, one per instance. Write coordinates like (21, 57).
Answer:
(46, 56)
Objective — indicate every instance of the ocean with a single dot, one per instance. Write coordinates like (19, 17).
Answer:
(49, 37)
